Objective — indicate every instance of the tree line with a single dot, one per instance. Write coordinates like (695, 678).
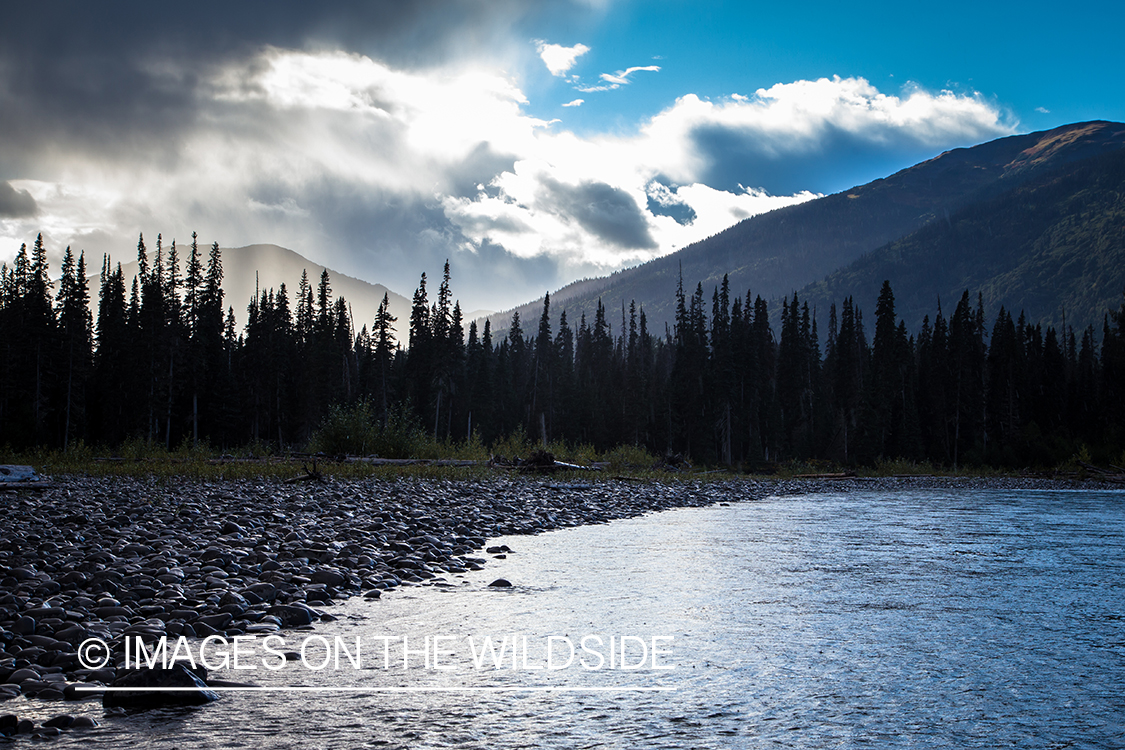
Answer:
(167, 364)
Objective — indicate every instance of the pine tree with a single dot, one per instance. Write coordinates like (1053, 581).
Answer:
(113, 401)
(967, 355)
(889, 388)
(76, 329)
(542, 392)
(384, 340)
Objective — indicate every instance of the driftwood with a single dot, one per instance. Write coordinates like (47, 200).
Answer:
(1105, 475)
(16, 477)
(539, 462)
(36, 486)
(310, 475)
(827, 475)
(16, 473)
(375, 461)
(672, 462)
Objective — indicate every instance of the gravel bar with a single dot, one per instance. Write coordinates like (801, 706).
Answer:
(117, 557)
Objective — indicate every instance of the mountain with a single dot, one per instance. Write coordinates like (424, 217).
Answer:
(268, 266)
(1054, 247)
(776, 253)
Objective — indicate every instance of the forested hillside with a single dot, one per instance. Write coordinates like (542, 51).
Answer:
(783, 251)
(1054, 246)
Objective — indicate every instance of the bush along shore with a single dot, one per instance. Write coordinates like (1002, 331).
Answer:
(118, 557)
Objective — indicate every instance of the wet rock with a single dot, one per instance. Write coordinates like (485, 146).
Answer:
(194, 692)
(230, 527)
(502, 583)
(329, 577)
(292, 616)
(80, 691)
(22, 675)
(62, 721)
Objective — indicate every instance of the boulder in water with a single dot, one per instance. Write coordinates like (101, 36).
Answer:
(194, 692)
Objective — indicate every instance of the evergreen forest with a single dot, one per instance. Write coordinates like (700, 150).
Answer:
(167, 363)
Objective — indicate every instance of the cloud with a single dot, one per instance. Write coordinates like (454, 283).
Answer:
(129, 78)
(618, 79)
(609, 213)
(823, 135)
(334, 154)
(15, 204)
(383, 167)
(575, 103)
(1043, 110)
(621, 77)
(700, 166)
(560, 59)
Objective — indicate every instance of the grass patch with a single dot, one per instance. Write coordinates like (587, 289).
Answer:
(401, 438)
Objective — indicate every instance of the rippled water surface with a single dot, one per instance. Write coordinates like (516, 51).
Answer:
(930, 619)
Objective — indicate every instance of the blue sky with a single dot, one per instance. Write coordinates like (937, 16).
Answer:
(530, 143)
(1024, 56)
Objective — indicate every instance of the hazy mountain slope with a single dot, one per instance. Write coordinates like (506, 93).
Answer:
(268, 266)
(1053, 246)
(776, 253)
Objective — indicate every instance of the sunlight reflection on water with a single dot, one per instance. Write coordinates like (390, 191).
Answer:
(929, 619)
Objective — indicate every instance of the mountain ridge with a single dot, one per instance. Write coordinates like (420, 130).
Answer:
(1053, 247)
(787, 249)
(265, 266)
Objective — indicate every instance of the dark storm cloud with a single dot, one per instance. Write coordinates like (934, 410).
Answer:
(836, 160)
(120, 78)
(16, 204)
(393, 238)
(608, 212)
(476, 170)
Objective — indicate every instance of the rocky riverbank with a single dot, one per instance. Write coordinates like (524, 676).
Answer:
(112, 558)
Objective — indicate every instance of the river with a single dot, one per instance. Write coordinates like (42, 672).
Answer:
(937, 618)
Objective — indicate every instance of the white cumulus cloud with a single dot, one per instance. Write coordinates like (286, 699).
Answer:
(385, 172)
(616, 80)
(560, 59)
(805, 127)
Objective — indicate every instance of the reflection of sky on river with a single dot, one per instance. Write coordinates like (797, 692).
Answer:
(936, 619)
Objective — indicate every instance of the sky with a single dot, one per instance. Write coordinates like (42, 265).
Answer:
(529, 143)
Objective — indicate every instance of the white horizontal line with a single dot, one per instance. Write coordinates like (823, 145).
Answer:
(358, 689)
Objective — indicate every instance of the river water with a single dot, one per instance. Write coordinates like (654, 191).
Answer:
(945, 619)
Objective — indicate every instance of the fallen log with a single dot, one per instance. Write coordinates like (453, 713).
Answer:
(1091, 467)
(672, 462)
(540, 461)
(36, 486)
(376, 461)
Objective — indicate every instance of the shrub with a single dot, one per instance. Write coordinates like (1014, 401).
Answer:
(346, 429)
(402, 436)
(629, 458)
